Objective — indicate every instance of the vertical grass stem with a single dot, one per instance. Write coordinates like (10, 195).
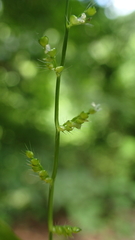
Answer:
(57, 132)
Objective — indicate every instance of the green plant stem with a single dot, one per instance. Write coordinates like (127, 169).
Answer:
(57, 132)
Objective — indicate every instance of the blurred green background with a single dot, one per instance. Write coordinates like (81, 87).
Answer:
(95, 185)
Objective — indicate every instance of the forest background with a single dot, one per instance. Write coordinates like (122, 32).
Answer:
(96, 177)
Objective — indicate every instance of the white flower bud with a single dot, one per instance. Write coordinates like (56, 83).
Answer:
(82, 19)
(47, 48)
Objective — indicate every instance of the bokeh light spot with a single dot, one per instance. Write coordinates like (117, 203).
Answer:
(53, 35)
(28, 69)
(12, 79)
(5, 31)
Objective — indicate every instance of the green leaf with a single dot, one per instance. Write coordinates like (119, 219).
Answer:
(6, 232)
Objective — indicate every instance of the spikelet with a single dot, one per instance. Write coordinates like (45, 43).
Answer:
(77, 121)
(65, 230)
(50, 56)
(37, 167)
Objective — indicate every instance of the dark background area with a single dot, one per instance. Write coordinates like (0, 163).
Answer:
(95, 186)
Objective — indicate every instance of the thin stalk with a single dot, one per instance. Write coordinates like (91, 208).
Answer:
(57, 132)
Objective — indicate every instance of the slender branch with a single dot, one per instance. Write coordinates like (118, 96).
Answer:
(57, 132)
(64, 46)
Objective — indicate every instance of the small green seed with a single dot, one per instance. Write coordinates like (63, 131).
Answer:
(49, 180)
(35, 162)
(43, 174)
(68, 123)
(29, 154)
(91, 11)
(57, 229)
(83, 115)
(77, 125)
(76, 229)
(74, 20)
(79, 120)
(66, 230)
(43, 41)
(92, 111)
(52, 52)
(37, 168)
(61, 128)
(68, 129)
(58, 70)
(50, 66)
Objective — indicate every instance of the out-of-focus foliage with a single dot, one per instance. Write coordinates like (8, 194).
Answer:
(97, 164)
(6, 233)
